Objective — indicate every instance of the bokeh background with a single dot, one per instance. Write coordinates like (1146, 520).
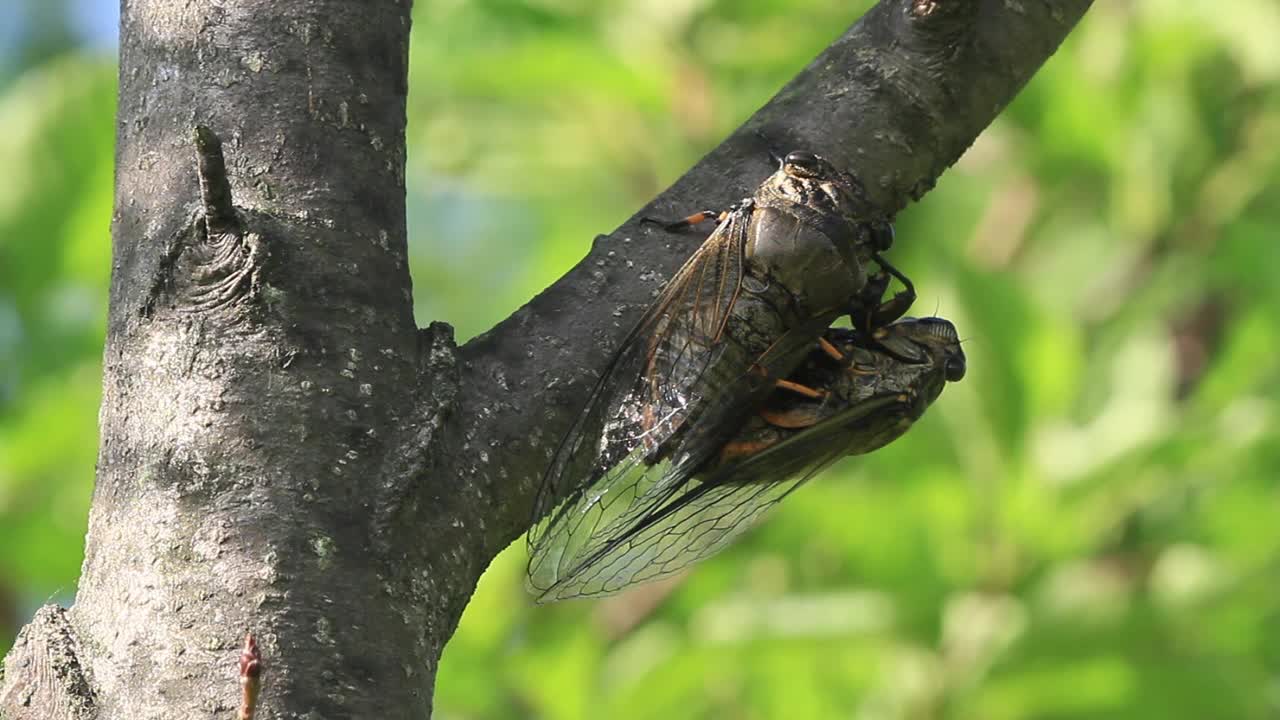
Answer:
(1088, 526)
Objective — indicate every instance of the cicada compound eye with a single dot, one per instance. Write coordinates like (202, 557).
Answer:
(882, 236)
(800, 157)
(802, 164)
(954, 367)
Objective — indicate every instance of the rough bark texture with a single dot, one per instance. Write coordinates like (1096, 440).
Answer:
(283, 453)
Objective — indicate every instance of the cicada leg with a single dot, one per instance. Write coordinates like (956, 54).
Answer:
(739, 449)
(873, 312)
(686, 222)
(788, 419)
(832, 351)
(800, 389)
(897, 306)
(791, 418)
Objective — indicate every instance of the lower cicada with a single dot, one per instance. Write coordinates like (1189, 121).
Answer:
(847, 398)
(739, 316)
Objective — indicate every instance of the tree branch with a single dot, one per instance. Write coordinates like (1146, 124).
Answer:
(897, 99)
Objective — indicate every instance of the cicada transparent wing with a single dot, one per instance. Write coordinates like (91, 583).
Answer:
(680, 525)
(658, 377)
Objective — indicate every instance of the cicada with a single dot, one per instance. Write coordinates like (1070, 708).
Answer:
(740, 315)
(909, 363)
(860, 396)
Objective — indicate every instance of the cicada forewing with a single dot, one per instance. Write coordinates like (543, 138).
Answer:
(667, 400)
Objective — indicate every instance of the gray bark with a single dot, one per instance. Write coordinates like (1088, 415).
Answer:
(282, 451)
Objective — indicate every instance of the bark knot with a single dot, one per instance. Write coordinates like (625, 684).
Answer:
(214, 262)
(220, 271)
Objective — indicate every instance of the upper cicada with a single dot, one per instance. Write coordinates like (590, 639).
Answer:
(740, 315)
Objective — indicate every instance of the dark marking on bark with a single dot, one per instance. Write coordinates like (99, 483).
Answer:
(203, 274)
(939, 30)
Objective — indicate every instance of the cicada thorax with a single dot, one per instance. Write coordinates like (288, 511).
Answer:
(822, 273)
(809, 203)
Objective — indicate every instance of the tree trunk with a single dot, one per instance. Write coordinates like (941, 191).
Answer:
(282, 452)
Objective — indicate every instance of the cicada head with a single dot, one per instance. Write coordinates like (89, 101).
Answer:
(926, 353)
(812, 181)
(935, 339)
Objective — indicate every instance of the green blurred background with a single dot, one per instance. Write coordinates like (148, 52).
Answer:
(1088, 526)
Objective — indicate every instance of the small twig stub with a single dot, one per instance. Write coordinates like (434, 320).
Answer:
(215, 188)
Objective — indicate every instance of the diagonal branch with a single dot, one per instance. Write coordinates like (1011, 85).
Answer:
(897, 99)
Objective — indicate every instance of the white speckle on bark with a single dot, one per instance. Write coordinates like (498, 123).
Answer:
(322, 546)
(324, 631)
(254, 61)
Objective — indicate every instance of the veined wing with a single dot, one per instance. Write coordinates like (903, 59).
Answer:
(674, 526)
(654, 384)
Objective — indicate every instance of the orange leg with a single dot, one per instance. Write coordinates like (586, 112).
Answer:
(793, 419)
(741, 449)
(830, 349)
(799, 389)
(694, 219)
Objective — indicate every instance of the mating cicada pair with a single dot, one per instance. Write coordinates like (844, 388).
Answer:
(734, 388)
